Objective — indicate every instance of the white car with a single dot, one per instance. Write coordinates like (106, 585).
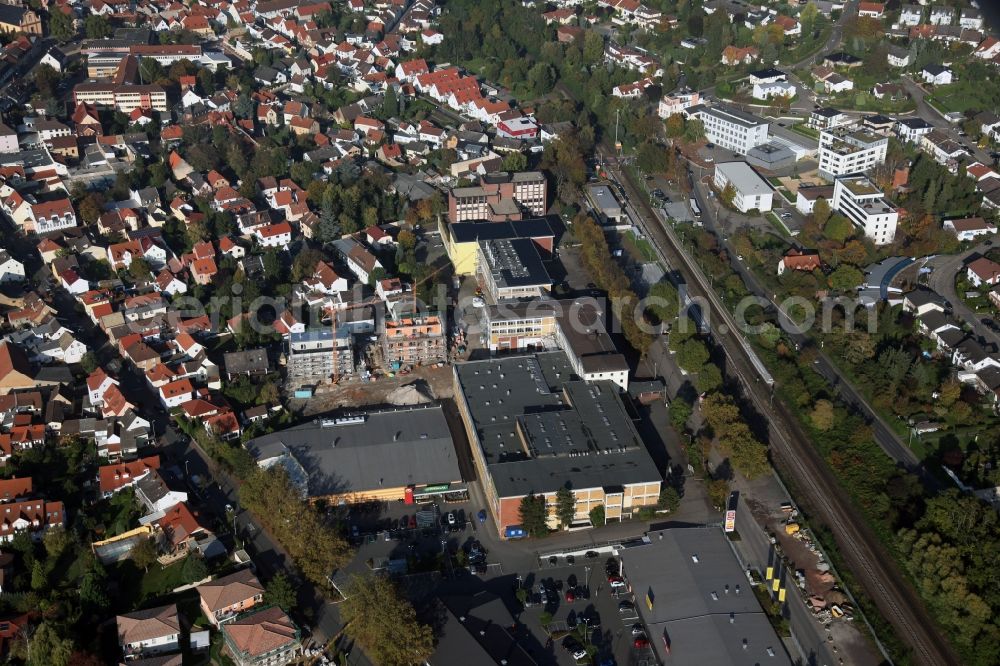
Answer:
(478, 302)
(451, 518)
(579, 654)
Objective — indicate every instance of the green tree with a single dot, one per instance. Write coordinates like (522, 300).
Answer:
(48, 646)
(709, 378)
(821, 212)
(808, 16)
(718, 493)
(651, 158)
(390, 103)
(694, 131)
(56, 542)
(89, 362)
(515, 162)
(693, 355)
(39, 577)
(96, 27)
(533, 515)
(680, 412)
(822, 415)
(669, 498)
(845, 278)
(304, 264)
(280, 592)
(565, 506)
(384, 623)
(144, 555)
(728, 194)
(272, 265)
(61, 25)
(838, 228)
(663, 301)
(675, 126)
(140, 270)
(597, 517)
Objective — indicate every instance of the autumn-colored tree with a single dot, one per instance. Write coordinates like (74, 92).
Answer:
(822, 415)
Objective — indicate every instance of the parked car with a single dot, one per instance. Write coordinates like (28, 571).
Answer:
(616, 583)
(482, 516)
(641, 642)
(626, 607)
(638, 630)
(451, 519)
(570, 595)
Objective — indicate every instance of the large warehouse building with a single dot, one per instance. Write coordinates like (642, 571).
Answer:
(395, 454)
(534, 427)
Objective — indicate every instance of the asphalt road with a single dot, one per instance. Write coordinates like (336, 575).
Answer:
(861, 549)
(942, 280)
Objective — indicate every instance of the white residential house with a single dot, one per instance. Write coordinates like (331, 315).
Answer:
(942, 15)
(970, 19)
(938, 75)
(750, 190)
(969, 228)
(175, 393)
(983, 271)
(911, 15)
(11, 270)
(898, 57)
(773, 89)
(274, 235)
(911, 129)
(98, 382)
(858, 199)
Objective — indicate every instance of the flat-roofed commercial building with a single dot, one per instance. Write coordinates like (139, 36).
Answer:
(750, 191)
(122, 97)
(576, 326)
(696, 602)
(395, 454)
(534, 427)
(844, 151)
(731, 129)
(512, 269)
(858, 199)
(461, 239)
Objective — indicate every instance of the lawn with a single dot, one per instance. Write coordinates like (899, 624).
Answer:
(961, 96)
(136, 587)
(802, 129)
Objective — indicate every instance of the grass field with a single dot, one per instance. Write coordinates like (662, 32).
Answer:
(642, 247)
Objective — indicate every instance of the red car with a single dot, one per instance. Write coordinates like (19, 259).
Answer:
(570, 596)
(641, 642)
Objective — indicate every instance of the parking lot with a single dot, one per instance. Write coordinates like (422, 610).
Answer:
(583, 609)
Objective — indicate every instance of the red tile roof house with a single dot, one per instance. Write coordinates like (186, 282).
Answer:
(149, 632)
(177, 392)
(112, 478)
(224, 598)
(264, 637)
(15, 489)
(799, 260)
(180, 528)
(34, 516)
(983, 270)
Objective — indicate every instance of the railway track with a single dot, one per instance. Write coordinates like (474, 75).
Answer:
(863, 552)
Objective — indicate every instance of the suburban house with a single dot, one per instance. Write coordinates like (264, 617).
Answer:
(149, 632)
(983, 271)
(799, 260)
(224, 598)
(262, 638)
(969, 228)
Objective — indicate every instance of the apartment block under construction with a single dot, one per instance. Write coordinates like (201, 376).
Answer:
(414, 340)
(320, 355)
